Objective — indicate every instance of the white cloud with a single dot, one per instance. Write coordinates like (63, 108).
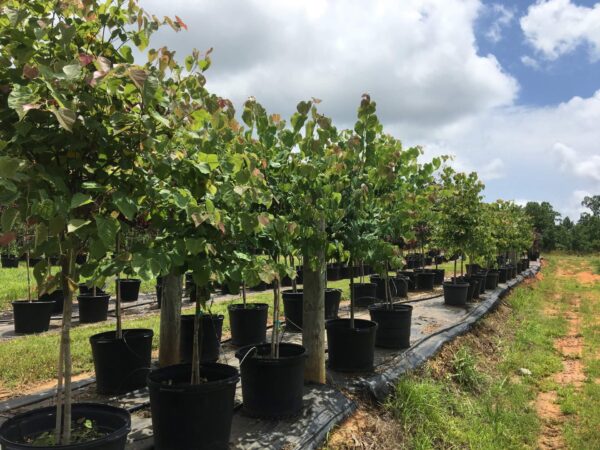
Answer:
(503, 18)
(530, 62)
(557, 27)
(417, 58)
(419, 61)
(580, 165)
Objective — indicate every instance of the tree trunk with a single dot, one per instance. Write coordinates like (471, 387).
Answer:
(313, 317)
(170, 320)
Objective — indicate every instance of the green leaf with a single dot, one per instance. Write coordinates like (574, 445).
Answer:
(75, 224)
(20, 97)
(126, 53)
(195, 245)
(72, 71)
(9, 217)
(80, 199)
(41, 234)
(65, 117)
(125, 204)
(8, 166)
(107, 230)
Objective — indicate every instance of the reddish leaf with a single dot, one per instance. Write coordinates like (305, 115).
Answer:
(30, 72)
(85, 59)
(7, 238)
(180, 22)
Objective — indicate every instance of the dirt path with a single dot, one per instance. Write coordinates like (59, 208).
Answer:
(570, 348)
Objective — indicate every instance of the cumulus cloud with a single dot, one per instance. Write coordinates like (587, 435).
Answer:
(580, 165)
(417, 58)
(530, 62)
(557, 27)
(503, 16)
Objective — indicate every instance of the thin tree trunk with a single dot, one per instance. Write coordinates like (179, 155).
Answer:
(59, 395)
(28, 278)
(170, 320)
(352, 296)
(119, 331)
(275, 329)
(294, 282)
(65, 343)
(454, 281)
(196, 343)
(244, 293)
(388, 292)
(313, 316)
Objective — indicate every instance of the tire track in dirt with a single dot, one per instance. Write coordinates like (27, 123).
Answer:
(570, 347)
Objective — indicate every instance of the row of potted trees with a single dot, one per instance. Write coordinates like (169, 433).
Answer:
(96, 147)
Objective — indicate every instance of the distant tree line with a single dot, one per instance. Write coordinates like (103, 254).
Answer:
(556, 233)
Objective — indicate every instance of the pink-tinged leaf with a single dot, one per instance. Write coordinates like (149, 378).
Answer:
(138, 77)
(30, 72)
(30, 106)
(85, 59)
(221, 227)
(96, 77)
(65, 117)
(181, 23)
(7, 238)
(263, 220)
(103, 64)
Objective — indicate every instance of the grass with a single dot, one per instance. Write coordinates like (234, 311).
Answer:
(13, 283)
(38, 354)
(482, 401)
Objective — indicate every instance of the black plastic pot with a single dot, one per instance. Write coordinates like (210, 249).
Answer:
(525, 263)
(32, 317)
(473, 268)
(480, 277)
(121, 365)
(85, 290)
(364, 293)
(491, 281)
(116, 422)
(502, 275)
(292, 309)
(401, 285)
(248, 324)
(455, 294)
(57, 297)
(93, 308)
(351, 349)
(412, 278)
(439, 276)
(209, 337)
(130, 289)
(34, 261)
(475, 287)
(272, 387)
(425, 281)
(194, 417)
(393, 329)
(332, 303)
(9, 262)
(333, 272)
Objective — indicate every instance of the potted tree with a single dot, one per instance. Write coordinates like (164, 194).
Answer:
(61, 136)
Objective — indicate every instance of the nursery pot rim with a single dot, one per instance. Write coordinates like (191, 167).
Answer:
(231, 378)
(341, 323)
(251, 306)
(396, 307)
(244, 353)
(37, 301)
(128, 333)
(114, 435)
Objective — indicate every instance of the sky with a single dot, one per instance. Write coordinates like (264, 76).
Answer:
(510, 89)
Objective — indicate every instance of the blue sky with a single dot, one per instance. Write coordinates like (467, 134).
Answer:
(510, 89)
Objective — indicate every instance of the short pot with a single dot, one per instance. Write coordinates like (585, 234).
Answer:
(292, 309)
(115, 421)
(502, 275)
(9, 262)
(393, 325)
(425, 281)
(351, 349)
(481, 280)
(57, 297)
(272, 387)
(412, 278)
(333, 272)
(455, 294)
(248, 323)
(491, 281)
(93, 308)
(209, 337)
(332, 303)
(439, 276)
(84, 289)
(121, 365)
(364, 293)
(32, 317)
(130, 289)
(186, 416)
